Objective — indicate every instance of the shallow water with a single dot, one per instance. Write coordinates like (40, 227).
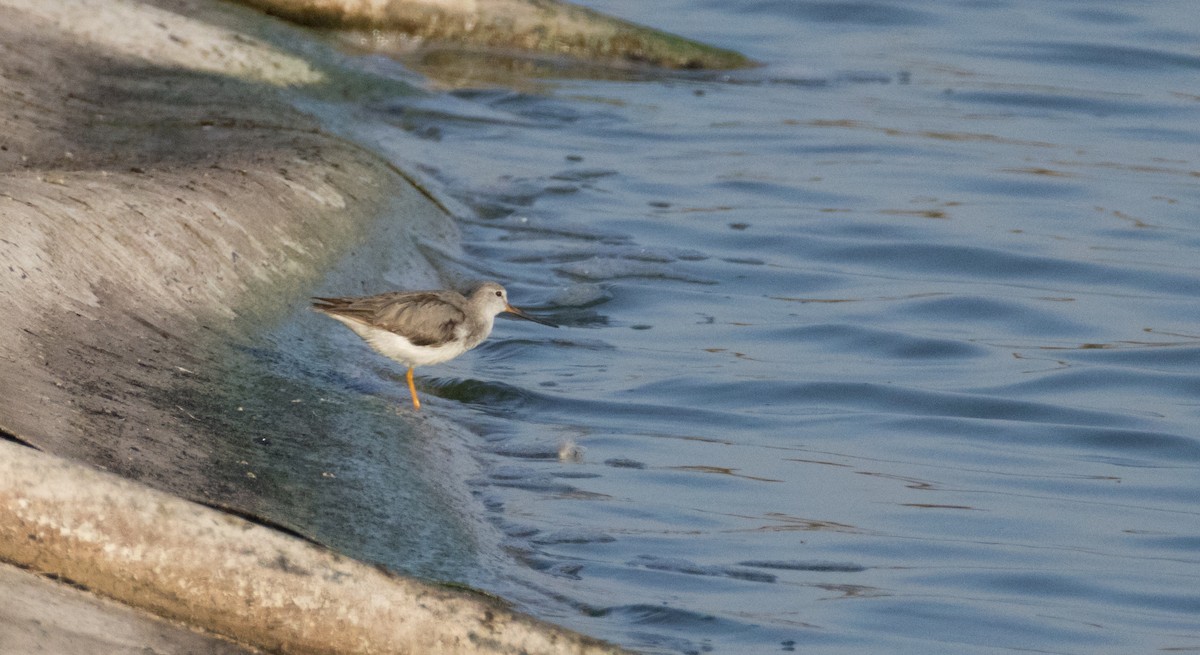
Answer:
(890, 345)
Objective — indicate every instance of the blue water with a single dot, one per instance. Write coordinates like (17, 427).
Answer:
(890, 345)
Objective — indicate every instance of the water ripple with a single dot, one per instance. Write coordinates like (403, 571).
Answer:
(875, 342)
(1101, 55)
(888, 345)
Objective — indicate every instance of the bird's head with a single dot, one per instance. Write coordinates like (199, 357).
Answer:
(494, 298)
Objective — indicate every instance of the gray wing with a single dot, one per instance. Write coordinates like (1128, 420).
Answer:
(425, 318)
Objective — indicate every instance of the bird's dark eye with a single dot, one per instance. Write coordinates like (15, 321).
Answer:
(499, 294)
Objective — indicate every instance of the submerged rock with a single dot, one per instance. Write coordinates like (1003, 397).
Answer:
(544, 27)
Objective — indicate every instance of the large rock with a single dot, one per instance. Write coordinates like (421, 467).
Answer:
(158, 195)
(159, 199)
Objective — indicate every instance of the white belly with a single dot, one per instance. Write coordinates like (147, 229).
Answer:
(402, 350)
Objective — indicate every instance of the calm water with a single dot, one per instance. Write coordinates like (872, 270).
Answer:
(892, 345)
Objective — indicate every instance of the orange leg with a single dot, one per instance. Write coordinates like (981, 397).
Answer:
(413, 389)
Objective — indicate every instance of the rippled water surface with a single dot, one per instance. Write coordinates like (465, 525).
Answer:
(890, 345)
